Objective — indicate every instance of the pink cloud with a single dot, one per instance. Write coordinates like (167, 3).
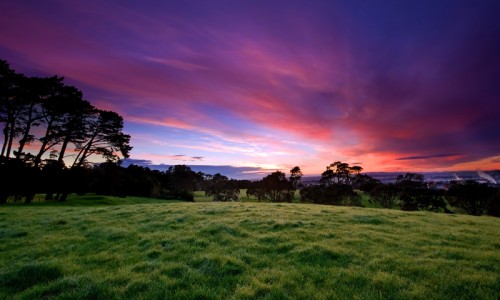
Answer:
(244, 79)
(168, 121)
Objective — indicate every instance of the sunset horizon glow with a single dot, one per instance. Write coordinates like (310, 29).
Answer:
(261, 86)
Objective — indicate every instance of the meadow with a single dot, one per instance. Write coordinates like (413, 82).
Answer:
(96, 247)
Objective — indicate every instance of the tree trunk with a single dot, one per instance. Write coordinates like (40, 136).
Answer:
(11, 138)
(26, 133)
(5, 138)
(38, 157)
(63, 148)
(84, 154)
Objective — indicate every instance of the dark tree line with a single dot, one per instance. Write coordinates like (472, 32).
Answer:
(410, 192)
(49, 129)
(178, 182)
(475, 198)
(341, 184)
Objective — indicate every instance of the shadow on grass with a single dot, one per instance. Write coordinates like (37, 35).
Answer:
(29, 275)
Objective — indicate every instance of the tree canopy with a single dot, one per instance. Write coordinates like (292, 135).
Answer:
(222, 189)
(339, 172)
(50, 116)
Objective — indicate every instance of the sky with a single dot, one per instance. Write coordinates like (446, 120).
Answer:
(249, 87)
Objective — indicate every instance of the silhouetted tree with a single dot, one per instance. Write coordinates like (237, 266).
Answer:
(222, 189)
(339, 173)
(74, 125)
(200, 181)
(411, 180)
(277, 188)
(17, 179)
(141, 181)
(494, 205)
(56, 111)
(471, 196)
(32, 91)
(422, 199)
(312, 194)
(11, 105)
(364, 182)
(295, 177)
(103, 137)
(52, 177)
(334, 194)
(414, 194)
(386, 195)
(108, 179)
(256, 189)
(182, 182)
(335, 186)
(46, 111)
(244, 183)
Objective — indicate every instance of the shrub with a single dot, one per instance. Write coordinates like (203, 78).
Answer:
(386, 195)
(421, 199)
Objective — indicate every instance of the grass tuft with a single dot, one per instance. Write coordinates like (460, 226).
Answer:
(221, 230)
(371, 220)
(217, 267)
(319, 256)
(68, 288)
(26, 276)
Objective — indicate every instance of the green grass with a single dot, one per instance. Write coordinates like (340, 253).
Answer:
(136, 248)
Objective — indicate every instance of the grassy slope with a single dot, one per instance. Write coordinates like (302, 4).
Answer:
(243, 250)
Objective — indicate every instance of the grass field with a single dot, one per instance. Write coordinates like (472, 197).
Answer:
(136, 248)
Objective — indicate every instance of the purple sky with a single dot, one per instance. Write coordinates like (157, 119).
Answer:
(267, 85)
